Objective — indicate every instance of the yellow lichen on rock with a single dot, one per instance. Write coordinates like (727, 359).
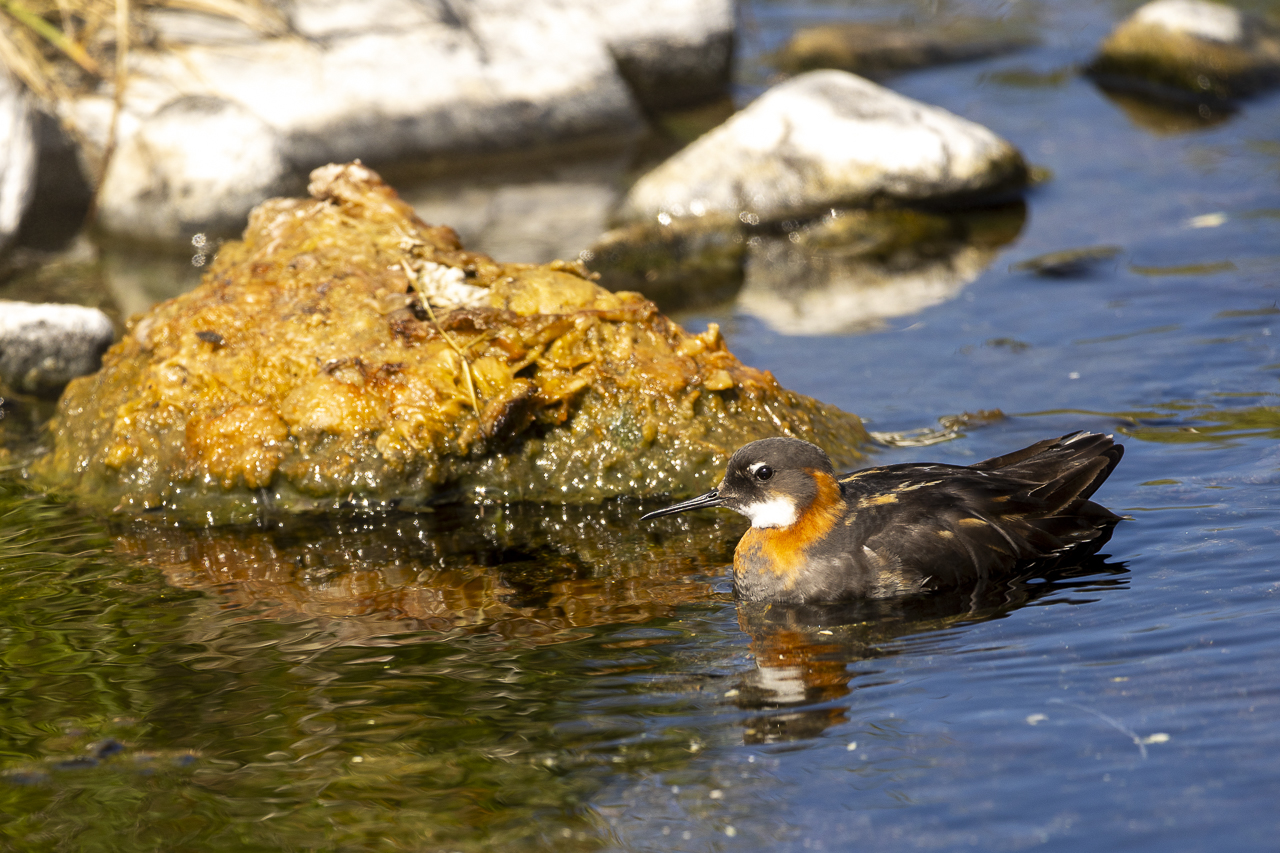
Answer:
(306, 371)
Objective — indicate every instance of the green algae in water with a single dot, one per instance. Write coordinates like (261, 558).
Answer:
(1195, 421)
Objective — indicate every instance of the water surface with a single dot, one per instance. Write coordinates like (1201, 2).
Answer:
(567, 679)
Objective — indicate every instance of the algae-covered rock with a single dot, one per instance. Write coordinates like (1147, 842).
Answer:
(1190, 50)
(307, 372)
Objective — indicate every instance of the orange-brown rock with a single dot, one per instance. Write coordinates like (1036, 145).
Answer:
(344, 352)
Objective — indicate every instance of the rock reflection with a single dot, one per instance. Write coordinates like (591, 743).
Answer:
(1168, 119)
(535, 573)
(534, 211)
(803, 652)
(853, 270)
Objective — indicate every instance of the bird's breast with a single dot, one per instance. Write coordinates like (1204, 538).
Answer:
(774, 562)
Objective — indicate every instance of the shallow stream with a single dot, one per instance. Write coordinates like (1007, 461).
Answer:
(569, 679)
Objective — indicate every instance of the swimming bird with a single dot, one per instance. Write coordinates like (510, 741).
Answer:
(821, 537)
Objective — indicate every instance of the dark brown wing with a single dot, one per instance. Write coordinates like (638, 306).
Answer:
(954, 523)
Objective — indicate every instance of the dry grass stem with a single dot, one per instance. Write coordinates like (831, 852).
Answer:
(59, 48)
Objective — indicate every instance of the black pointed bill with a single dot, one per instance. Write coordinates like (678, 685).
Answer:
(711, 498)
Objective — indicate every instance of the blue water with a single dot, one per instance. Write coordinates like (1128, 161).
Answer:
(566, 679)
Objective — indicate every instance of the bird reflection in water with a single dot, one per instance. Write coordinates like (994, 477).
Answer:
(803, 652)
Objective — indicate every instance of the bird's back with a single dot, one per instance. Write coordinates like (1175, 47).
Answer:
(937, 525)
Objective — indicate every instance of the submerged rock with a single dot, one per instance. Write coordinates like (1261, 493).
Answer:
(880, 48)
(305, 373)
(1069, 263)
(1168, 117)
(43, 346)
(1190, 50)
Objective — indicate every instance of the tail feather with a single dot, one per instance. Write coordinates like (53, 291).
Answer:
(1067, 489)
(1070, 468)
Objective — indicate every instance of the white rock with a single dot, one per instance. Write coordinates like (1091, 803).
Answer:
(45, 346)
(17, 156)
(327, 19)
(1197, 18)
(388, 81)
(198, 164)
(183, 26)
(824, 139)
(672, 52)
(394, 81)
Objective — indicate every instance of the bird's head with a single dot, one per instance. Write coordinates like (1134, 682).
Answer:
(771, 481)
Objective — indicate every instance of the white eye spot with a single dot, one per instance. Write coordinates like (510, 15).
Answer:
(776, 512)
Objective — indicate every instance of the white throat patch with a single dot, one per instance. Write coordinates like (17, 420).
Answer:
(778, 512)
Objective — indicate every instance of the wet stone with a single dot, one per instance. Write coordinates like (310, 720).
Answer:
(43, 346)
(344, 353)
(823, 140)
(1167, 117)
(1189, 51)
(877, 49)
